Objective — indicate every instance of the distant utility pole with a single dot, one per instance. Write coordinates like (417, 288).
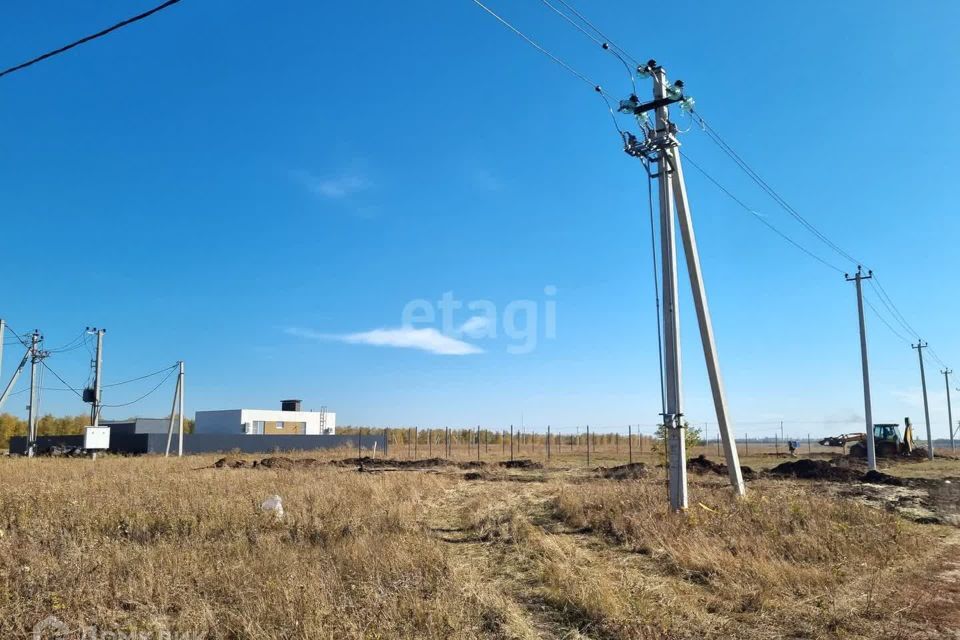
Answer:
(3, 328)
(177, 402)
(867, 404)
(95, 403)
(920, 346)
(659, 151)
(946, 375)
(36, 358)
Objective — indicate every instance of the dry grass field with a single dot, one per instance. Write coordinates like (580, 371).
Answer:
(154, 548)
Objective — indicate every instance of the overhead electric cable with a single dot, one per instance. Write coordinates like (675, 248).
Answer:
(656, 291)
(143, 377)
(763, 184)
(542, 50)
(631, 70)
(76, 343)
(57, 375)
(148, 393)
(16, 335)
(587, 22)
(99, 34)
(759, 217)
(878, 287)
(936, 357)
(904, 339)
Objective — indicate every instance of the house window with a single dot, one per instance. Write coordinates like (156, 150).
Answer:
(279, 425)
(257, 427)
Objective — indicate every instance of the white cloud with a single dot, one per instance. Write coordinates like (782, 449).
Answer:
(337, 187)
(427, 339)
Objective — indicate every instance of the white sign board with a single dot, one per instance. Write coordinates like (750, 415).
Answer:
(96, 438)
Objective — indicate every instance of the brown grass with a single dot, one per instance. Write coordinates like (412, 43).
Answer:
(151, 545)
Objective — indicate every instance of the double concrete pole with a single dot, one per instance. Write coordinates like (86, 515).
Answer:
(673, 192)
(175, 413)
(33, 411)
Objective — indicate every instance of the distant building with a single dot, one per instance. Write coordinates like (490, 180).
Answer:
(137, 426)
(288, 420)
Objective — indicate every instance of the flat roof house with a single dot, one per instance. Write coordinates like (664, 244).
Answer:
(288, 420)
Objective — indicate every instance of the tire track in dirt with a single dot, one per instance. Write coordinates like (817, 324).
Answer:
(500, 563)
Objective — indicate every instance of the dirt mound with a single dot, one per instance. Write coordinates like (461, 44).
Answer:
(232, 463)
(701, 464)
(392, 463)
(282, 462)
(630, 471)
(807, 469)
(522, 463)
(878, 477)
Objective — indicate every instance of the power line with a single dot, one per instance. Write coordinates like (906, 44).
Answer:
(587, 22)
(606, 46)
(143, 377)
(57, 375)
(99, 34)
(758, 217)
(878, 287)
(884, 321)
(16, 335)
(26, 389)
(541, 49)
(656, 290)
(763, 184)
(936, 357)
(76, 343)
(148, 393)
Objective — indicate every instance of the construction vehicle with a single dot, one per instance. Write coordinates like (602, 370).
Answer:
(887, 441)
(843, 439)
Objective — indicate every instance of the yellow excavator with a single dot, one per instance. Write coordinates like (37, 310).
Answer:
(886, 439)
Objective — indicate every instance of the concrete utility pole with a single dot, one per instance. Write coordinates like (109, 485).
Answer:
(920, 346)
(867, 403)
(673, 417)
(177, 402)
(97, 367)
(33, 413)
(946, 375)
(3, 327)
(660, 148)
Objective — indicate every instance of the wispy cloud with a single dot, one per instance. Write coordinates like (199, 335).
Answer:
(334, 187)
(426, 339)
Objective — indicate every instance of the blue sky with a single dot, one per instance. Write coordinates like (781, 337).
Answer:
(260, 190)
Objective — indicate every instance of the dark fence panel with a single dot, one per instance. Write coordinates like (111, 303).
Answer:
(208, 443)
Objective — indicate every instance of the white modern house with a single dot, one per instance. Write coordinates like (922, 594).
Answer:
(289, 420)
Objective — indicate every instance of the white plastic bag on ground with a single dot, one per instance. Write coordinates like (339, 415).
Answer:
(274, 505)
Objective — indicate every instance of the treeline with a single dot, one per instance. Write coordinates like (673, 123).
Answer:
(50, 425)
